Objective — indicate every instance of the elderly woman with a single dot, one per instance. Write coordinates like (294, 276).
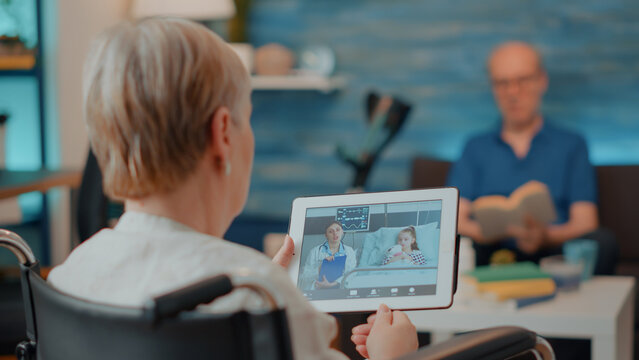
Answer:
(328, 251)
(167, 106)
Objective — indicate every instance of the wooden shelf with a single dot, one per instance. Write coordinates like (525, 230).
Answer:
(298, 82)
(16, 182)
(17, 62)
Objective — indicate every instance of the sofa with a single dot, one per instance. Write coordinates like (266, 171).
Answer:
(618, 187)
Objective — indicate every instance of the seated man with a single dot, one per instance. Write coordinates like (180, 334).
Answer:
(526, 147)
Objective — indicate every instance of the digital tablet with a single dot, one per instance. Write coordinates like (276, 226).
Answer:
(356, 251)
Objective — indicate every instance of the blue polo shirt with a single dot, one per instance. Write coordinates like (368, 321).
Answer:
(558, 158)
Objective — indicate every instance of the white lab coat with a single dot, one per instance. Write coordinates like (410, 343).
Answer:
(313, 261)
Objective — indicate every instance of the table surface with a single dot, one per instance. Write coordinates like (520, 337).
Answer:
(594, 308)
(14, 183)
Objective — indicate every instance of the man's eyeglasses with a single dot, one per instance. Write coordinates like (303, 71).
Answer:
(522, 82)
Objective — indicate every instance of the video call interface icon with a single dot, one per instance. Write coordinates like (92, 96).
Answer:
(371, 292)
(354, 218)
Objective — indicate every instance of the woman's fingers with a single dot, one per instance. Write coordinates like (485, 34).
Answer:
(392, 335)
(362, 329)
(361, 349)
(384, 316)
(322, 284)
(359, 339)
(401, 319)
(285, 253)
(371, 318)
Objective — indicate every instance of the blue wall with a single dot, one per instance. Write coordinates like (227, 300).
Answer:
(19, 95)
(19, 98)
(433, 53)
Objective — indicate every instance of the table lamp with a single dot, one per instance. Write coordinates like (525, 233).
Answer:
(190, 9)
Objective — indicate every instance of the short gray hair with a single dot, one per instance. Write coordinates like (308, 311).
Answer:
(151, 88)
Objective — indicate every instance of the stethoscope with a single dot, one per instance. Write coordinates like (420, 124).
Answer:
(319, 248)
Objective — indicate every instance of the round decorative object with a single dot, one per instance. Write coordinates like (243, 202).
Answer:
(317, 59)
(503, 256)
(245, 52)
(273, 59)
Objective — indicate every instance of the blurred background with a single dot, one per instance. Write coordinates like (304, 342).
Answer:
(309, 92)
(433, 54)
(430, 54)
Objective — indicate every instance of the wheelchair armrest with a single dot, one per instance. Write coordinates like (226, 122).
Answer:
(492, 343)
(207, 290)
(189, 297)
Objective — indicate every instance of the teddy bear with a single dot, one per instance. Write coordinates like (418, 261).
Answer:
(395, 250)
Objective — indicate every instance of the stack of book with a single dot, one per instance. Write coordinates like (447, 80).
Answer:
(516, 285)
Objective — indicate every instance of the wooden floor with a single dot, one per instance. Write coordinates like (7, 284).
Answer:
(7, 357)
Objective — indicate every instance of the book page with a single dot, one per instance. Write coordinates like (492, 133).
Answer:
(496, 213)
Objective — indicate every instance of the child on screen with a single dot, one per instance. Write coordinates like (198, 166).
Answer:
(406, 250)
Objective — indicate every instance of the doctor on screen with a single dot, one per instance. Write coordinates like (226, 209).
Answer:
(330, 256)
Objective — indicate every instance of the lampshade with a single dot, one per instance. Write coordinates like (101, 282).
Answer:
(190, 9)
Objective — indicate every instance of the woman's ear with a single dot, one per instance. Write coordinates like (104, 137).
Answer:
(220, 136)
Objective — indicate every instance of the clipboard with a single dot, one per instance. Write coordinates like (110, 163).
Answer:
(332, 269)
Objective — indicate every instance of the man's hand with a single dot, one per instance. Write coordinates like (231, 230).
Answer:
(531, 237)
(469, 227)
(386, 335)
(285, 253)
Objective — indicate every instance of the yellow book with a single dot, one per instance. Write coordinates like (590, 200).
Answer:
(512, 289)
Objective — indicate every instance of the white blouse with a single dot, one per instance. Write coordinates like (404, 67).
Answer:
(146, 255)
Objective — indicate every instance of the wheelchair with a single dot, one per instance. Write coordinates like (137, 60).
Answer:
(60, 326)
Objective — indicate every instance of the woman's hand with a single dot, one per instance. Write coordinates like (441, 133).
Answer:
(330, 258)
(285, 253)
(386, 335)
(324, 284)
(360, 335)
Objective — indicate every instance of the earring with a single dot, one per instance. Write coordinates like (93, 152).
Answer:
(227, 169)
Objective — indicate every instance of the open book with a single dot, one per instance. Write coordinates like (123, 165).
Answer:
(495, 212)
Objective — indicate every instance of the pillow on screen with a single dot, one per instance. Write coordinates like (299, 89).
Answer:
(377, 242)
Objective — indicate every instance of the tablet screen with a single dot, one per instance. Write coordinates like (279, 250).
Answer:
(370, 250)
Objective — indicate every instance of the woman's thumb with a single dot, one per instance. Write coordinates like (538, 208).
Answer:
(384, 316)
(285, 253)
